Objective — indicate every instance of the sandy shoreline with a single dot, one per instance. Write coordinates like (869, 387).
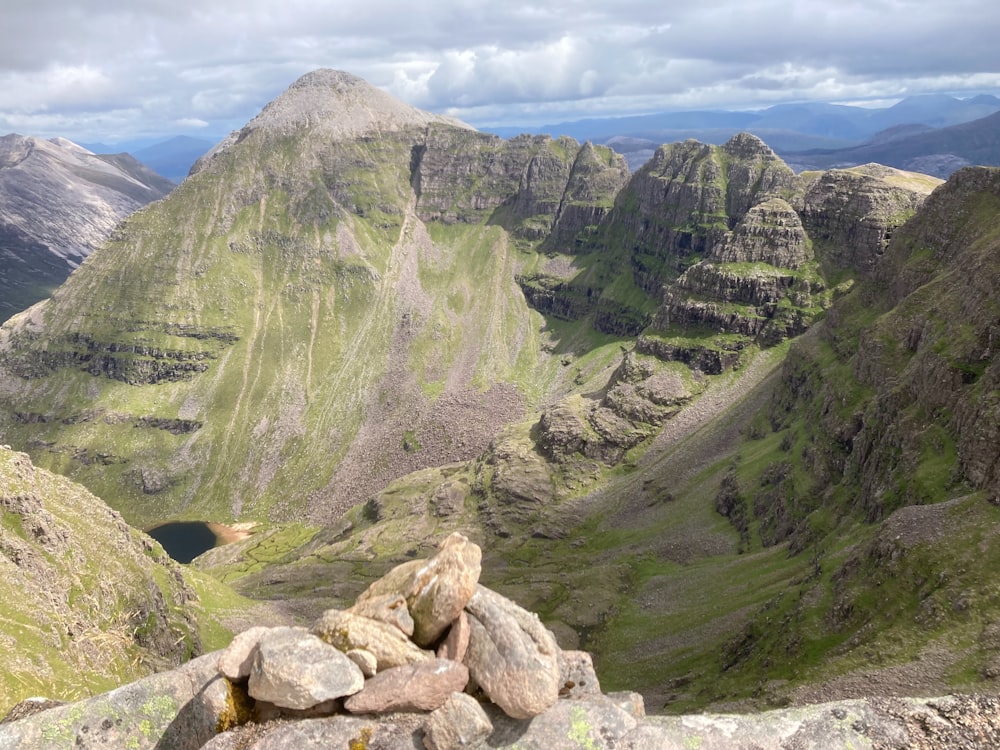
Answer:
(231, 533)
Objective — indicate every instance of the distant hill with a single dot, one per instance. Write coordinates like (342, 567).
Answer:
(59, 201)
(786, 128)
(173, 158)
(937, 152)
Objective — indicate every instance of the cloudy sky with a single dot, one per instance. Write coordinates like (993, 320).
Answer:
(111, 70)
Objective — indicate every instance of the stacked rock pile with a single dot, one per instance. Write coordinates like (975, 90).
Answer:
(427, 637)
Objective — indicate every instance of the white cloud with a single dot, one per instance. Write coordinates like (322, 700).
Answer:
(90, 67)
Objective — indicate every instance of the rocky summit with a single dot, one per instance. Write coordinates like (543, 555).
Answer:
(502, 683)
(727, 429)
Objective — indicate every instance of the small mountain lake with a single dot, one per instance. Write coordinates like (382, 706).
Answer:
(185, 540)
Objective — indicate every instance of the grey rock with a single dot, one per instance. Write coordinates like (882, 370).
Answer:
(511, 655)
(588, 724)
(391, 732)
(365, 660)
(237, 658)
(630, 702)
(882, 723)
(177, 710)
(347, 631)
(461, 722)
(297, 670)
(389, 608)
(577, 676)
(415, 687)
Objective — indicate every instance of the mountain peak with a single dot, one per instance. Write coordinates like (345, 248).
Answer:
(342, 105)
(747, 145)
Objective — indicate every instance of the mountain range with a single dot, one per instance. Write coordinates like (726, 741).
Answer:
(937, 151)
(817, 135)
(731, 428)
(58, 202)
(784, 127)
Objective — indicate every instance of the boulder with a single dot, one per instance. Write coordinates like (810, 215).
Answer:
(511, 655)
(347, 631)
(593, 723)
(415, 687)
(297, 670)
(460, 722)
(435, 590)
(181, 709)
(237, 658)
(394, 732)
(365, 660)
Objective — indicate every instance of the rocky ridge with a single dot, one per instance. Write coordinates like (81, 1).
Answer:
(58, 203)
(357, 220)
(497, 680)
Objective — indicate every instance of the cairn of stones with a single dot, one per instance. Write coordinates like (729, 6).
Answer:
(427, 637)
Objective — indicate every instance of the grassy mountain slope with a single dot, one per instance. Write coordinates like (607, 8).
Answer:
(86, 602)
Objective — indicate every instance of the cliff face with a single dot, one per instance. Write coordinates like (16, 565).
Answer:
(58, 202)
(87, 601)
(915, 366)
(684, 201)
(887, 413)
(741, 250)
(536, 185)
(851, 214)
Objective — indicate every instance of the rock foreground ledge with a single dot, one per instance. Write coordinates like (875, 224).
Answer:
(492, 677)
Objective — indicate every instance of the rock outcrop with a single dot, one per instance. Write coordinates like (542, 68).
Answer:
(851, 214)
(932, 345)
